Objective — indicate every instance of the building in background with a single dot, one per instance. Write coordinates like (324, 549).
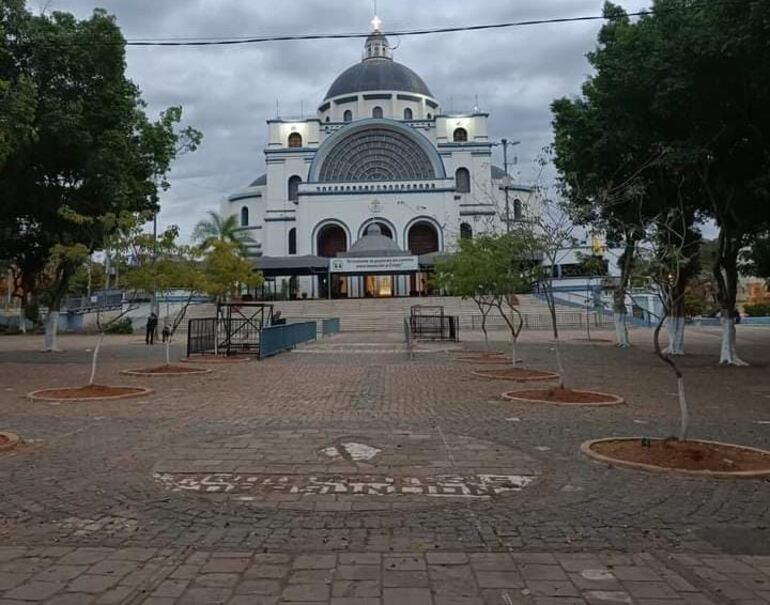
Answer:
(380, 181)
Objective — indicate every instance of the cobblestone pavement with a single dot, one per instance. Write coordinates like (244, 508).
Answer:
(125, 484)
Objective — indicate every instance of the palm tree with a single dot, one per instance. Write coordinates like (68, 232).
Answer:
(217, 228)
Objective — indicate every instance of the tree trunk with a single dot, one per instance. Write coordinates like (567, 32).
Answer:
(559, 365)
(484, 329)
(675, 327)
(619, 310)
(684, 416)
(94, 357)
(514, 361)
(725, 272)
(22, 318)
(168, 350)
(727, 355)
(50, 338)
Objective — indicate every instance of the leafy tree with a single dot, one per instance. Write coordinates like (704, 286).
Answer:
(94, 155)
(755, 260)
(491, 270)
(217, 228)
(225, 271)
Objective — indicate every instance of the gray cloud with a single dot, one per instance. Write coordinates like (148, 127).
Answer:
(229, 92)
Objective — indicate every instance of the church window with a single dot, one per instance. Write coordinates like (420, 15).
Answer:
(292, 240)
(408, 115)
(466, 231)
(377, 112)
(328, 119)
(244, 217)
(463, 180)
(460, 135)
(518, 210)
(294, 182)
(429, 116)
(347, 116)
(295, 139)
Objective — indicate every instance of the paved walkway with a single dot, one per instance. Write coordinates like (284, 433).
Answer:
(82, 576)
(349, 474)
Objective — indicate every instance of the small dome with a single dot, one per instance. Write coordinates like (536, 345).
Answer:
(378, 74)
(374, 243)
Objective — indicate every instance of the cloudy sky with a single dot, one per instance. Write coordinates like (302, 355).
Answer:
(229, 92)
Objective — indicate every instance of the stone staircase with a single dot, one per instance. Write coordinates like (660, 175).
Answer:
(387, 314)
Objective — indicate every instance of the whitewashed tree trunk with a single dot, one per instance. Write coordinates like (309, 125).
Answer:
(675, 328)
(22, 319)
(684, 415)
(94, 358)
(621, 330)
(562, 377)
(168, 350)
(50, 342)
(728, 356)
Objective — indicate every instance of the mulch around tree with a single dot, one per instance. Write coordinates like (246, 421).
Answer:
(693, 456)
(91, 392)
(559, 396)
(8, 441)
(214, 359)
(167, 370)
(516, 374)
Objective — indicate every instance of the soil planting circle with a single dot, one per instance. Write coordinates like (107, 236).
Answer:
(598, 341)
(346, 471)
(516, 374)
(8, 441)
(167, 370)
(93, 392)
(691, 457)
(495, 358)
(556, 396)
(214, 359)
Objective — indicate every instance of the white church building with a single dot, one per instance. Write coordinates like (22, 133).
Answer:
(359, 200)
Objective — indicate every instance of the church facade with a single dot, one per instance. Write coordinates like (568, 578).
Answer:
(359, 200)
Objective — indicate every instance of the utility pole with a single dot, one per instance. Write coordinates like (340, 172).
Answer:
(505, 187)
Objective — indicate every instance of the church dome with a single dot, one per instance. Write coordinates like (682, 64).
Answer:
(377, 71)
(378, 74)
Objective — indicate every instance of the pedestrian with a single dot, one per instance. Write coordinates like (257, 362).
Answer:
(152, 325)
(166, 333)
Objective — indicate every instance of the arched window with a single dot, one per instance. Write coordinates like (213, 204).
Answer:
(244, 217)
(430, 116)
(292, 240)
(463, 180)
(460, 135)
(294, 182)
(466, 231)
(347, 116)
(518, 210)
(331, 239)
(328, 119)
(377, 112)
(408, 115)
(295, 139)
(422, 238)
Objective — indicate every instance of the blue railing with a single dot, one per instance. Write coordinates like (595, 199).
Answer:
(330, 326)
(275, 339)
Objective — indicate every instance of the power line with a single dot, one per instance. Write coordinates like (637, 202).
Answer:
(237, 41)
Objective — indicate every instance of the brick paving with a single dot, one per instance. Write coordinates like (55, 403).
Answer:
(110, 502)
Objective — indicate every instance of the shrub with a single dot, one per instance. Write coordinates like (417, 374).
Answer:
(124, 326)
(757, 310)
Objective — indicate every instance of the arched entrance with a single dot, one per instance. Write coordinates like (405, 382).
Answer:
(423, 238)
(330, 240)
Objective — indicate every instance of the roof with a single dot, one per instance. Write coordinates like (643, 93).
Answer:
(262, 180)
(374, 243)
(378, 74)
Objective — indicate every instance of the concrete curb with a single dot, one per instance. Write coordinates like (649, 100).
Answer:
(13, 441)
(613, 399)
(222, 359)
(39, 395)
(193, 371)
(585, 448)
(548, 376)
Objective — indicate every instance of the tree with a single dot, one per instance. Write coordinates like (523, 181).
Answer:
(93, 155)
(217, 228)
(491, 270)
(755, 260)
(225, 271)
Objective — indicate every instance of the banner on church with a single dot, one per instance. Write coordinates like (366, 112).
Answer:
(384, 264)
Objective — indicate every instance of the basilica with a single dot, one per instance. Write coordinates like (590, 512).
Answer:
(359, 200)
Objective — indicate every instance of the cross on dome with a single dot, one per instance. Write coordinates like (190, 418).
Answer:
(376, 22)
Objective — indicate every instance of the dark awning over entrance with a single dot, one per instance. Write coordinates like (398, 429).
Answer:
(291, 265)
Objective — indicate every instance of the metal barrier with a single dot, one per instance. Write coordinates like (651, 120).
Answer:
(443, 327)
(201, 336)
(275, 339)
(330, 326)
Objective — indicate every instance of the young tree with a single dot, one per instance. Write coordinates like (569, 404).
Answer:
(94, 152)
(491, 270)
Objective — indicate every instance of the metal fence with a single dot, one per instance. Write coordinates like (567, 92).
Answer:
(330, 326)
(102, 300)
(275, 339)
(201, 336)
(442, 327)
(540, 321)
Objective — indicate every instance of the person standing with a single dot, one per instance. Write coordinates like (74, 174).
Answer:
(152, 325)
